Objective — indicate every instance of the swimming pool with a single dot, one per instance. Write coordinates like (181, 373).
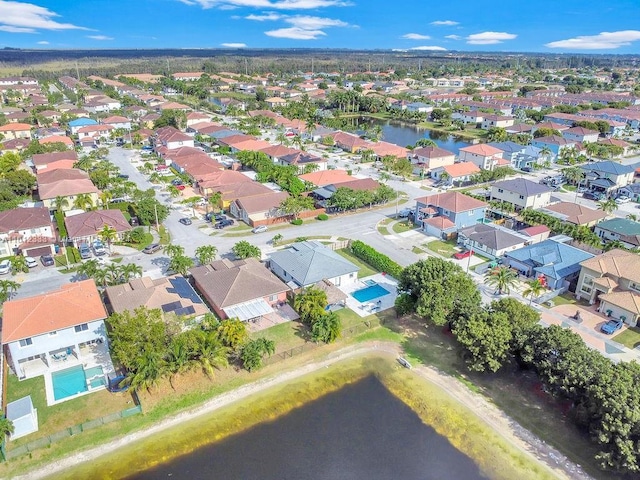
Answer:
(72, 381)
(69, 382)
(370, 293)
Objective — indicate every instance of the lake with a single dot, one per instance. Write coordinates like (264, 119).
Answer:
(404, 134)
(358, 432)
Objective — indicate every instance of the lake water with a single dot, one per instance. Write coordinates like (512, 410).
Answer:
(358, 432)
(404, 134)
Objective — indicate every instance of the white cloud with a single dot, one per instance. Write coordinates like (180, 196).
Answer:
(313, 23)
(431, 48)
(602, 41)
(43, 42)
(445, 23)
(99, 37)
(269, 4)
(454, 37)
(234, 45)
(489, 38)
(264, 17)
(20, 17)
(416, 36)
(296, 33)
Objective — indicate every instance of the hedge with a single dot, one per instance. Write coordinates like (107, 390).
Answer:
(297, 221)
(62, 229)
(374, 258)
(323, 216)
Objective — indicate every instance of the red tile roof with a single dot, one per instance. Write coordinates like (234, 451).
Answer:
(452, 201)
(483, 150)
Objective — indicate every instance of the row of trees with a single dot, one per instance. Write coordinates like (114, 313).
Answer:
(581, 233)
(286, 176)
(605, 396)
(346, 198)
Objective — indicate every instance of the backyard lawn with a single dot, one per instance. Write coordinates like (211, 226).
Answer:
(630, 338)
(366, 270)
(446, 249)
(404, 226)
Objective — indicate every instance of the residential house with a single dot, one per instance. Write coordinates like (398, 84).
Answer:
(385, 149)
(521, 193)
(427, 159)
(536, 233)
(581, 135)
(242, 289)
(303, 264)
(172, 295)
(455, 174)
(350, 143)
(197, 117)
(443, 214)
(171, 138)
(607, 176)
(418, 107)
(623, 230)
(326, 177)
(14, 131)
(276, 152)
(261, 209)
(553, 143)
(57, 139)
(615, 142)
(491, 240)
(274, 102)
(28, 231)
(482, 155)
(211, 182)
(575, 213)
(118, 122)
(84, 228)
(497, 121)
(474, 117)
(66, 183)
(520, 128)
(555, 263)
(52, 331)
(612, 281)
(52, 161)
(96, 132)
(301, 159)
(632, 191)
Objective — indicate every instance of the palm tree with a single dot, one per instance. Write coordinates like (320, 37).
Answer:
(180, 264)
(633, 217)
(18, 264)
(108, 234)
(574, 175)
(130, 270)
(150, 368)
(211, 353)
(205, 254)
(233, 333)
(173, 191)
(545, 152)
(503, 278)
(425, 142)
(113, 274)
(607, 206)
(105, 197)
(7, 289)
(83, 201)
(535, 289)
(276, 239)
(214, 200)
(178, 359)
(326, 328)
(173, 250)
(60, 203)
(310, 304)
(88, 269)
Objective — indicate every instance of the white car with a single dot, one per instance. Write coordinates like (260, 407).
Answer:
(260, 229)
(5, 267)
(31, 262)
(622, 199)
(98, 248)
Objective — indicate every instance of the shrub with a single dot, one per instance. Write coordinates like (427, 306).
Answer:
(323, 216)
(62, 229)
(376, 259)
(297, 221)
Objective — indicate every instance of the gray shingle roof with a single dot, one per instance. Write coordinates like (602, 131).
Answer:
(310, 262)
(522, 186)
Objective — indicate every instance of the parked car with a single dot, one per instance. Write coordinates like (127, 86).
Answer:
(180, 187)
(223, 223)
(218, 217)
(147, 148)
(47, 260)
(463, 254)
(124, 176)
(98, 248)
(176, 182)
(582, 189)
(185, 221)
(153, 248)
(404, 213)
(527, 169)
(592, 196)
(5, 267)
(622, 199)
(85, 251)
(31, 262)
(259, 229)
(611, 326)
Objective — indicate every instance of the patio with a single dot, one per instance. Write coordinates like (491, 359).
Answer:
(377, 304)
(281, 314)
(591, 319)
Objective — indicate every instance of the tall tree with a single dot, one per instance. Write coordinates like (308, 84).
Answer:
(608, 206)
(7, 288)
(205, 254)
(535, 288)
(244, 249)
(310, 303)
(254, 351)
(502, 278)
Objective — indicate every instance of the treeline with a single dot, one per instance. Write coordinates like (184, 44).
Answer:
(605, 396)
(580, 233)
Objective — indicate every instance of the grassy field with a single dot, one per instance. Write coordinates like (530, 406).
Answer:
(366, 270)
(446, 249)
(630, 338)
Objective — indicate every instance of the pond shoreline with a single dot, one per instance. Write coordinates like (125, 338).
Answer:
(499, 422)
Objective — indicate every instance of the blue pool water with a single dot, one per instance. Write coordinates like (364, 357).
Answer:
(69, 382)
(370, 293)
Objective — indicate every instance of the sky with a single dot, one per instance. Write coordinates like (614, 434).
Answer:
(551, 26)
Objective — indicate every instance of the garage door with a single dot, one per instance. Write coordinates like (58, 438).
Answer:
(36, 252)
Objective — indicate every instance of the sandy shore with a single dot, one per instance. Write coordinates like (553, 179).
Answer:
(503, 425)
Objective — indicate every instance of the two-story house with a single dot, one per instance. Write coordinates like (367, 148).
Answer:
(52, 161)
(172, 138)
(12, 131)
(581, 135)
(553, 143)
(425, 159)
(497, 121)
(84, 228)
(78, 123)
(607, 176)
(612, 281)
(28, 231)
(483, 156)
(443, 214)
(521, 193)
(619, 229)
(66, 183)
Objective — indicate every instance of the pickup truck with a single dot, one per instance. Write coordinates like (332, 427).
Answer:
(611, 326)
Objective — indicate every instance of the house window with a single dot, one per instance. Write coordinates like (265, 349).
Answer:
(81, 328)
(51, 334)
(273, 298)
(634, 286)
(25, 342)
(585, 289)
(500, 190)
(521, 197)
(587, 280)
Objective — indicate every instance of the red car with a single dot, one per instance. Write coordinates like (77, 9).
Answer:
(180, 187)
(464, 254)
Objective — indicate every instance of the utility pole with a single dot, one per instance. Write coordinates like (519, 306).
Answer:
(155, 209)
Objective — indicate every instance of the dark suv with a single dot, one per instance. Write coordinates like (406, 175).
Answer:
(223, 223)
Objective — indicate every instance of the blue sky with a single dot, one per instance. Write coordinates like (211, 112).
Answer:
(582, 26)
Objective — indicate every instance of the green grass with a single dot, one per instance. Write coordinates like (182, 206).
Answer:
(446, 249)
(482, 257)
(165, 236)
(239, 227)
(366, 270)
(382, 226)
(146, 240)
(630, 338)
(404, 226)
(569, 188)
(116, 260)
(72, 253)
(564, 299)
(417, 250)
(349, 318)
(285, 335)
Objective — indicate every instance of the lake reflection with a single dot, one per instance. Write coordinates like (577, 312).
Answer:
(361, 432)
